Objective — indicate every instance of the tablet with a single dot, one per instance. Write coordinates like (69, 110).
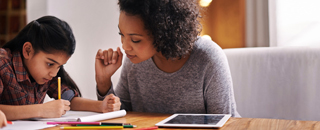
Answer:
(195, 120)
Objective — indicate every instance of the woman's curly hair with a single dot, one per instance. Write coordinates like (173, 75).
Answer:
(174, 24)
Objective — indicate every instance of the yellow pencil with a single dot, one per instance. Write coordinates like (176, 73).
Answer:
(91, 127)
(59, 87)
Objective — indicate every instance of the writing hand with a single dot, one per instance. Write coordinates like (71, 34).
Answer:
(55, 108)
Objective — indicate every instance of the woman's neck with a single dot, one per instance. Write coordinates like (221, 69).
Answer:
(169, 65)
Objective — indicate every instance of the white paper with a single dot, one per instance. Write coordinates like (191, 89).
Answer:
(104, 116)
(85, 116)
(27, 125)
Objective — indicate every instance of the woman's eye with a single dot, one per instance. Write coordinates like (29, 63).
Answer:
(120, 34)
(135, 41)
(49, 64)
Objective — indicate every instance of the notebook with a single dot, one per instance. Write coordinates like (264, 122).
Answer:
(85, 116)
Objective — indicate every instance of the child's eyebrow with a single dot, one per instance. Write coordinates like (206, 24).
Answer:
(54, 61)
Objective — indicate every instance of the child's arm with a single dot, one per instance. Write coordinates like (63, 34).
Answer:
(110, 103)
(51, 109)
(106, 64)
(3, 120)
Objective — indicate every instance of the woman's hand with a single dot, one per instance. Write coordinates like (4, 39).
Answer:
(110, 103)
(106, 64)
(55, 108)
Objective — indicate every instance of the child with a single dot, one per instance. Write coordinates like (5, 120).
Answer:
(3, 120)
(29, 67)
(168, 69)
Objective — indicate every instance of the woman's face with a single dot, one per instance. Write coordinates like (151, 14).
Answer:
(136, 40)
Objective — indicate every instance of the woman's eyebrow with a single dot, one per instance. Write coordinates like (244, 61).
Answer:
(135, 34)
(130, 33)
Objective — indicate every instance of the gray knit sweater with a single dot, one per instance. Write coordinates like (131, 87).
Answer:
(202, 85)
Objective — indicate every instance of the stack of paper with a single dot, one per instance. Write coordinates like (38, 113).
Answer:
(80, 116)
(85, 116)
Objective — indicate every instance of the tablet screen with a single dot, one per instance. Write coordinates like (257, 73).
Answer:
(195, 119)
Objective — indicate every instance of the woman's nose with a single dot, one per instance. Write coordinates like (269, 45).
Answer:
(126, 46)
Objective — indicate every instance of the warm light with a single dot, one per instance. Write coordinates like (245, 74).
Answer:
(205, 3)
(206, 37)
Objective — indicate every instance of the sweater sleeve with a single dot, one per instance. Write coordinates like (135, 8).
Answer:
(122, 89)
(218, 87)
(101, 97)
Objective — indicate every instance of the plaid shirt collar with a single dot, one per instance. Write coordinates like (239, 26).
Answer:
(19, 68)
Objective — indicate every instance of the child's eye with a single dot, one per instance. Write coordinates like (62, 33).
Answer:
(135, 41)
(120, 34)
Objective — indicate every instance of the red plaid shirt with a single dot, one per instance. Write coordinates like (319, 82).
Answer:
(15, 85)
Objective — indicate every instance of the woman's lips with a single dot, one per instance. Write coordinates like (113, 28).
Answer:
(131, 56)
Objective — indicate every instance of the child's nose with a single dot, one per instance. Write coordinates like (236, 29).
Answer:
(53, 73)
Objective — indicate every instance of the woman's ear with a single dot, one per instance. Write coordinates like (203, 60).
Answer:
(27, 50)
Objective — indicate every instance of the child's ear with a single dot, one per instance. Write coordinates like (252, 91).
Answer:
(27, 50)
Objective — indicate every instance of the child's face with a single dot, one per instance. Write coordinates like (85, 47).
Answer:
(44, 66)
(136, 40)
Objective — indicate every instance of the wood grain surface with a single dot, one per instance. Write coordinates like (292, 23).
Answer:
(143, 120)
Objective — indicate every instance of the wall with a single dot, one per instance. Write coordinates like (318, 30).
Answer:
(94, 24)
(294, 23)
(224, 22)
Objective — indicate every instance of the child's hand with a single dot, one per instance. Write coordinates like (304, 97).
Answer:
(110, 103)
(106, 64)
(3, 120)
(55, 108)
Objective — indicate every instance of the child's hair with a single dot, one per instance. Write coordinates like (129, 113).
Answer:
(174, 24)
(48, 34)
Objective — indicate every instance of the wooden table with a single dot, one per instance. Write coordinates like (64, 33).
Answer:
(150, 119)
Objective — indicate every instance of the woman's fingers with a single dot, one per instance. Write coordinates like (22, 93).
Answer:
(99, 54)
(105, 54)
(110, 53)
(109, 56)
(115, 57)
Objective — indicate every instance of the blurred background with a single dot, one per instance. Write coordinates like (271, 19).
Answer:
(230, 23)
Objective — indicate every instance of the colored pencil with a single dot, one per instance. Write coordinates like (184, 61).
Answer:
(74, 123)
(147, 128)
(110, 123)
(88, 123)
(91, 127)
(59, 87)
(9, 122)
(124, 126)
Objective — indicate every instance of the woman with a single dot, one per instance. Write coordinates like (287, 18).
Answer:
(168, 69)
